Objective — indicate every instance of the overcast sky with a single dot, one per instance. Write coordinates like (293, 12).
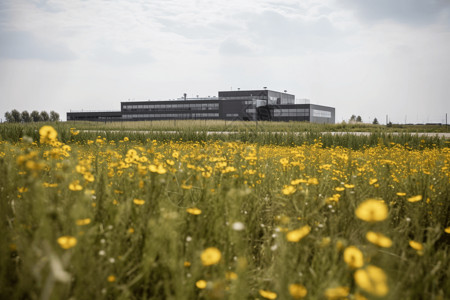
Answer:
(363, 57)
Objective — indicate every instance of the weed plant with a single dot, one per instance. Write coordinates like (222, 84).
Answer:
(242, 216)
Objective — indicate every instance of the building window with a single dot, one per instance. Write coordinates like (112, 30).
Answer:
(321, 113)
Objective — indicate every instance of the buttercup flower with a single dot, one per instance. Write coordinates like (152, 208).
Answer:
(297, 291)
(378, 239)
(210, 256)
(75, 186)
(416, 245)
(298, 234)
(372, 210)
(67, 241)
(373, 280)
(138, 201)
(353, 257)
(289, 190)
(231, 275)
(336, 293)
(268, 294)
(47, 134)
(201, 284)
(194, 211)
(81, 222)
(415, 198)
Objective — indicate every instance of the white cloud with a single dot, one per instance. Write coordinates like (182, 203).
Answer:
(367, 58)
(411, 12)
(24, 45)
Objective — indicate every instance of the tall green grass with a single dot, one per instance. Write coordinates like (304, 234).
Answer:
(153, 250)
(263, 133)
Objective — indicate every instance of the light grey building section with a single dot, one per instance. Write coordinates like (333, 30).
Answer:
(249, 105)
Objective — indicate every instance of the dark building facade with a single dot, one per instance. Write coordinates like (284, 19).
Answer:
(229, 105)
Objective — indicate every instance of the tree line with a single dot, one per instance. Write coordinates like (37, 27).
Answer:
(18, 117)
(358, 119)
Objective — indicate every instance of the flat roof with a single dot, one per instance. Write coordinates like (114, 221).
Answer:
(256, 91)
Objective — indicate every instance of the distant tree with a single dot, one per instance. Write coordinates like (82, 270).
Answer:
(9, 118)
(35, 116)
(375, 121)
(352, 119)
(25, 117)
(389, 124)
(54, 116)
(358, 119)
(44, 116)
(16, 116)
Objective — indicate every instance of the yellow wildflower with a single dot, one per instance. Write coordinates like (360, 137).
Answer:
(210, 256)
(337, 293)
(415, 198)
(88, 177)
(297, 181)
(373, 180)
(289, 190)
(111, 278)
(81, 222)
(47, 134)
(194, 211)
(297, 291)
(313, 181)
(74, 132)
(231, 275)
(138, 201)
(268, 294)
(353, 257)
(298, 234)
(416, 245)
(201, 284)
(157, 169)
(334, 198)
(447, 230)
(358, 296)
(401, 194)
(75, 186)
(378, 239)
(373, 280)
(372, 210)
(67, 241)
(186, 186)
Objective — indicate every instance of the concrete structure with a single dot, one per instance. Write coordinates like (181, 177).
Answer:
(229, 105)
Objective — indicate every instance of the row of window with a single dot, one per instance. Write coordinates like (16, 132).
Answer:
(175, 116)
(179, 106)
(244, 98)
(321, 113)
(291, 112)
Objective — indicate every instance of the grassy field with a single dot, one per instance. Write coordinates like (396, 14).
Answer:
(261, 133)
(222, 125)
(122, 215)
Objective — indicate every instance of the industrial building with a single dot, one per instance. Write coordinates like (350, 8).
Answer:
(256, 105)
